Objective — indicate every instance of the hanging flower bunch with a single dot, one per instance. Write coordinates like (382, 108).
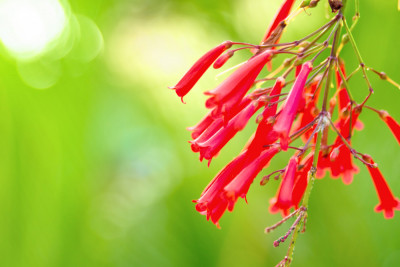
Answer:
(297, 107)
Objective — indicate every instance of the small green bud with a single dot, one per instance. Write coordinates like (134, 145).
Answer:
(298, 61)
(305, 3)
(304, 44)
(287, 62)
(345, 38)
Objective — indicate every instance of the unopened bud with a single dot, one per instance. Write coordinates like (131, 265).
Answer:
(287, 62)
(259, 118)
(223, 59)
(332, 102)
(228, 44)
(271, 120)
(298, 61)
(264, 180)
(382, 75)
(383, 114)
(304, 44)
(345, 38)
(313, 3)
(305, 3)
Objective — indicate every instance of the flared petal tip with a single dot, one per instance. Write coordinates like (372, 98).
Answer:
(388, 211)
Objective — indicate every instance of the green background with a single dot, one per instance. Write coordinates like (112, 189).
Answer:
(95, 170)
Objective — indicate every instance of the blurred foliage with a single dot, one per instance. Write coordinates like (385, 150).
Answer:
(95, 169)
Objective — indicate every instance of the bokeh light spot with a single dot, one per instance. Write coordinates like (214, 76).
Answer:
(41, 74)
(28, 26)
(89, 41)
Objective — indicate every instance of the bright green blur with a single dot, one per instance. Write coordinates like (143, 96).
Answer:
(95, 168)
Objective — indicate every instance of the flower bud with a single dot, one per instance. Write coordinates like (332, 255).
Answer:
(223, 59)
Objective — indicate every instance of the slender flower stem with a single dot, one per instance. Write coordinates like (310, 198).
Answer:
(273, 227)
(328, 77)
(311, 179)
(373, 109)
(317, 70)
(361, 62)
(320, 35)
(384, 76)
(352, 150)
(300, 131)
(352, 74)
(357, 4)
(296, 43)
(307, 144)
(344, 81)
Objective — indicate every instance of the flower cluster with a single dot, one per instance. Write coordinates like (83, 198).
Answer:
(296, 106)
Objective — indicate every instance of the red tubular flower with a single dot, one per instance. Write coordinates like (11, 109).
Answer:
(232, 90)
(283, 201)
(309, 109)
(197, 70)
(212, 203)
(214, 127)
(392, 124)
(388, 203)
(342, 164)
(265, 135)
(301, 180)
(324, 163)
(340, 159)
(211, 123)
(211, 147)
(240, 185)
(200, 127)
(285, 119)
(283, 12)
(344, 98)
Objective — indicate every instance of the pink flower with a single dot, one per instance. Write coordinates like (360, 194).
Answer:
(286, 118)
(197, 70)
(387, 202)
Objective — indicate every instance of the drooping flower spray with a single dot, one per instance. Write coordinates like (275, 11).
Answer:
(294, 107)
